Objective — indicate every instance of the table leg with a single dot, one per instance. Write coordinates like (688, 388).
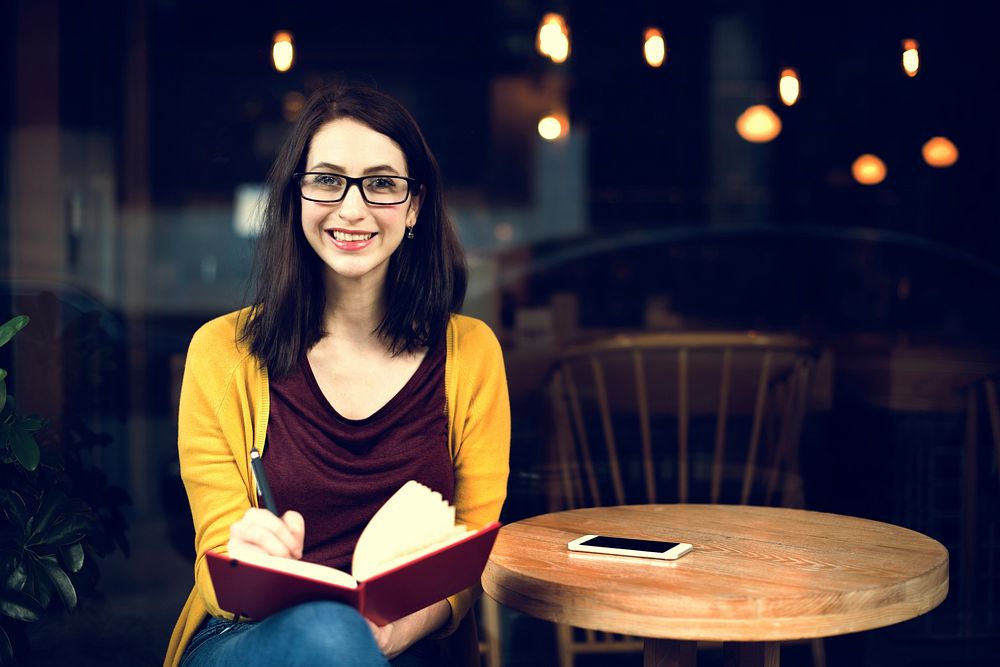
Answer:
(668, 653)
(751, 654)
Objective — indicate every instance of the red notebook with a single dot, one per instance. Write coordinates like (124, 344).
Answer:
(387, 587)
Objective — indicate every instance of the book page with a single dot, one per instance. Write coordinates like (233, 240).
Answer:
(300, 568)
(415, 520)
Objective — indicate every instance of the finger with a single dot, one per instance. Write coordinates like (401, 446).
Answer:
(297, 527)
(280, 529)
(261, 528)
(258, 536)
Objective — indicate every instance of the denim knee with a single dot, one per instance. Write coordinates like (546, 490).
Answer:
(324, 632)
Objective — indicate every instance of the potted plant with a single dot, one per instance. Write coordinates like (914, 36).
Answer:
(51, 527)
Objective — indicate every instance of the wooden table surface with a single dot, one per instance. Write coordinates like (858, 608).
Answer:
(755, 573)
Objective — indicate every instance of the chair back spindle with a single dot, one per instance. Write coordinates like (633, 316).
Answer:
(720, 423)
(722, 386)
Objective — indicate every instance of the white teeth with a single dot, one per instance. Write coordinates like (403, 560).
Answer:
(344, 236)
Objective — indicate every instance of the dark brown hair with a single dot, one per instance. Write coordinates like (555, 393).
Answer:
(426, 278)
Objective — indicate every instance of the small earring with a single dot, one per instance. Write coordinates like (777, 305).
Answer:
(409, 232)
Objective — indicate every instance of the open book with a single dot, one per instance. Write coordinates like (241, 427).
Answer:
(410, 555)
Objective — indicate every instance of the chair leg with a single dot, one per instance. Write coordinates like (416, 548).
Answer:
(818, 652)
(491, 631)
(564, 644)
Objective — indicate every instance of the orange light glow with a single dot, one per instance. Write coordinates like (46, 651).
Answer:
(758, 124)
(940, 152)
(292, 105)
(282, 51)
(554, 126)
(654, 48)
(868, 169)
(788, 86)
(911, 57)
(553, 38)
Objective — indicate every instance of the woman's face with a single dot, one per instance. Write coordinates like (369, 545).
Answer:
(353, 238)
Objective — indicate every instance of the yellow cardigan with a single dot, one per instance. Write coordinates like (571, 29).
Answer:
(223, 413)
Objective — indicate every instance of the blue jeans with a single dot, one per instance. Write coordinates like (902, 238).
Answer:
(314, 633)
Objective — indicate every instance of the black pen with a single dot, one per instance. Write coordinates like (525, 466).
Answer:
(263, 489)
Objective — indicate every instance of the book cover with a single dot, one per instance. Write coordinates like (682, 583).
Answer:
(396, 574)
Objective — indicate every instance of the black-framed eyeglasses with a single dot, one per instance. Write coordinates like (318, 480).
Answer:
(378, 189)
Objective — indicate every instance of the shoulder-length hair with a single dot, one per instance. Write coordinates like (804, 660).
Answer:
(427, 274)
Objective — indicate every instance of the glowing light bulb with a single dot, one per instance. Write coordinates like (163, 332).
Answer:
(788, 86)
(940, 152)
(758, 124)
(282, 51)
(911, 57)
(553, 127)
(868, 169)
(654, 48)
(553, 38)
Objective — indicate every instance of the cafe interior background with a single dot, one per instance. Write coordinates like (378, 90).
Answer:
(824, 170)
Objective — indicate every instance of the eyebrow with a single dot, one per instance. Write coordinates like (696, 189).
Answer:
(377, 169)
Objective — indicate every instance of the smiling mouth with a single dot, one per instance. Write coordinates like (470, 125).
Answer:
(339, 235)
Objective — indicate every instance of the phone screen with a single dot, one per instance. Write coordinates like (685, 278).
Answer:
(626, 543)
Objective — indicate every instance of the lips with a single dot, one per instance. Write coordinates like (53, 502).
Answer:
(341, 235)
(350, 240)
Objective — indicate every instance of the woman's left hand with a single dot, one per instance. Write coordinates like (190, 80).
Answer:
(396, 637)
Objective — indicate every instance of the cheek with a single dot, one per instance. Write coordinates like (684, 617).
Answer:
(310, 213)
(392, 222)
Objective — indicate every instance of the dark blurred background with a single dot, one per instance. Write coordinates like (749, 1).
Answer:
(134, 138)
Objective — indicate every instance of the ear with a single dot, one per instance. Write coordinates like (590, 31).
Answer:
(416, 201)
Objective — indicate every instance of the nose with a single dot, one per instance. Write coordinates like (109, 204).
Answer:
(352, 206)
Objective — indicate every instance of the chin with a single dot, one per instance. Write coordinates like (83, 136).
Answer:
(353, 271)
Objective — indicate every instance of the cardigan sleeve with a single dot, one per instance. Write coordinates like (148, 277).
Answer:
(214, 424)
(482, 444)
(480, 436)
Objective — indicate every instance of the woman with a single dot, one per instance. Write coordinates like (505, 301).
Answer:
(353, 369)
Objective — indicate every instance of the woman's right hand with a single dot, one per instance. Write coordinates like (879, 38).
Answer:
(261, 532)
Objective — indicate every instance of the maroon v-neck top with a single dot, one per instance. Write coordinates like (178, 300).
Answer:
(337, 472)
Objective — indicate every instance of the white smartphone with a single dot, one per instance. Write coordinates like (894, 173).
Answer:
(627, 546)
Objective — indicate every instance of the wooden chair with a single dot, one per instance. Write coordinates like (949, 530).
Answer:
(979, 579)
(658, 417)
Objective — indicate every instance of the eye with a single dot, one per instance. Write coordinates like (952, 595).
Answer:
(327, 180)
(383, 183)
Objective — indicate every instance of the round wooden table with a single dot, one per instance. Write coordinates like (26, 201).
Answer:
(756, 576)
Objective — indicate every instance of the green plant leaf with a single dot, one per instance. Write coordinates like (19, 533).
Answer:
(50, 508)
(19, 606)
(72, 556)
(32, 424)
(66, 530)
(60, 581)
(25, 448)
(8, 408)
(11, 327)
(18, 577)
(13, 507)
(38, 586)
(6, 648)
(3, 393)
(3, 374)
